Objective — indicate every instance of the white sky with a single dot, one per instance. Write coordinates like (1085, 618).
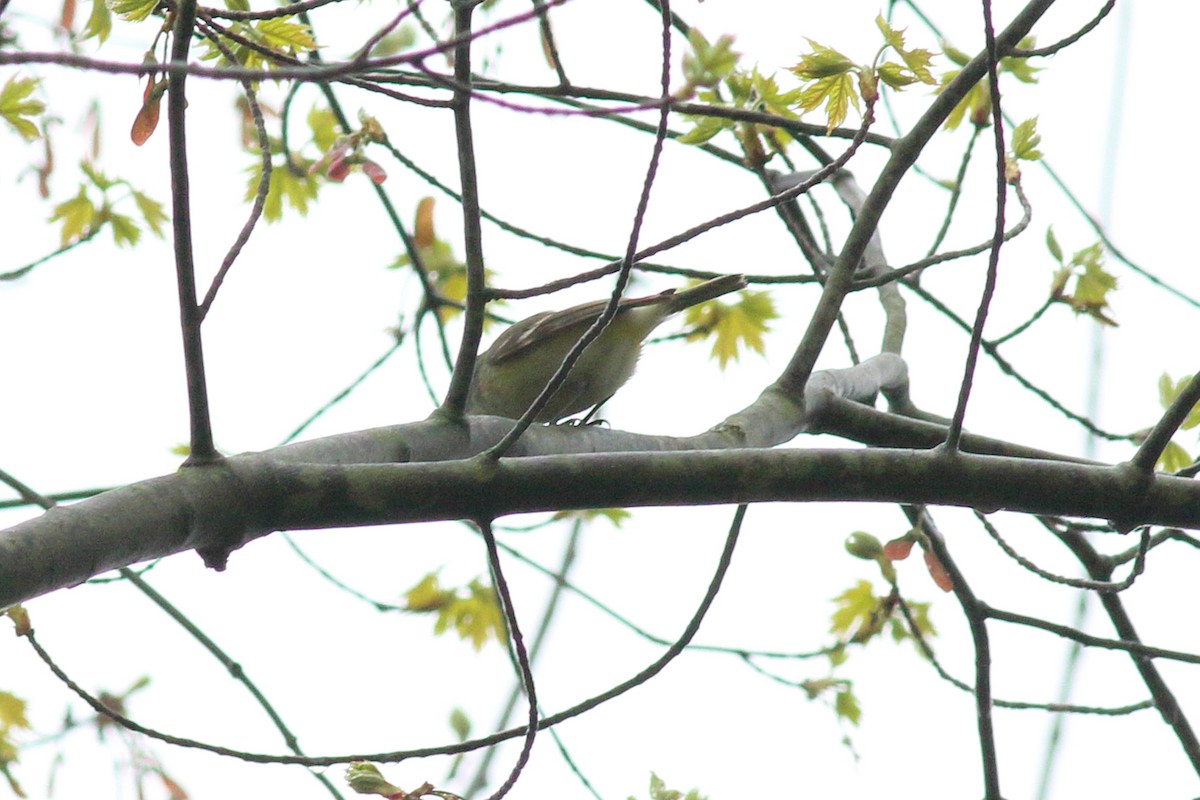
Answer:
(94, 397)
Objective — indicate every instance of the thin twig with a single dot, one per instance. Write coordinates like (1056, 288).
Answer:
(522, 658)
(973, 610)
(260, 194)
(468, 349)
(989, 286)
(201, 448)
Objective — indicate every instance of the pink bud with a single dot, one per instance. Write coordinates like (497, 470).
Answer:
(338, 169)
(374, 172)
(897, 549)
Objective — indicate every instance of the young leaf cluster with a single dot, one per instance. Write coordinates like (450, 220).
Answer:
(365, 778)
(445, 270)
(84, 215)
(100, 22)
(659, 791)
(472, 610)
(732, 326)
(829, 79)
(18, 109)
(291, 180)
(706, 65)
(259, 44)
(833, 81)
(1025, 141)
(1092, 283)
(1174, 457)
(845, 703)
(860, 615)
(12, 719)
(977, 103)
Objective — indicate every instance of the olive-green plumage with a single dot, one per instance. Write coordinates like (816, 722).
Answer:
(519, 364)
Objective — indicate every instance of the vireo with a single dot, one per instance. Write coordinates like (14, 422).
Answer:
(519, 364)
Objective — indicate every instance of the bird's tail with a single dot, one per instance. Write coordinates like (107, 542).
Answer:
(709, 290)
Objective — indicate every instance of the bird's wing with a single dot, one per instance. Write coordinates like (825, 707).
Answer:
(547, 323)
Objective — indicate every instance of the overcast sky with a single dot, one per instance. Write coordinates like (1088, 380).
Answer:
(93, 396)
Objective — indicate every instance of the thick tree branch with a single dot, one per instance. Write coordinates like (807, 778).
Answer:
(218, 509)
(424, 471)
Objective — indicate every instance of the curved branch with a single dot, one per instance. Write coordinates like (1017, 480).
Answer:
(219, 508)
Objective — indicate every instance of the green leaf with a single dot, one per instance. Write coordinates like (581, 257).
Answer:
(705, 129)
(460, 723)
(659, 791)
(395, 42)
(1168, 391)
(847, 707)
(12, 711)
(836, 92)
(323, 124)
(954, 54)
(895, 75)
(1025, 140)
(12, 718)
(837, 655)
(708, 64)
(98, 178)
(476, 617)
(733, 326)
(281, 35)
(213, 53)
(133, 10)
(920, 615)
(855, 612)
(894, 38)
(916, 61)
(77, 215)
(977, 102)
(1052, 244)
(124, 230)
(898, 626)
(285, 35)
(829, 81)
(152, 212)
(427, 595)
(766, 93)
(1173, 458)
(1093, 285)
(1019, 66)
(99, 24)
(473, 614)
(296, 186)
(16, 107)
(822, 62)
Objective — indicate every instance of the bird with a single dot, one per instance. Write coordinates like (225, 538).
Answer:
(511, 374)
